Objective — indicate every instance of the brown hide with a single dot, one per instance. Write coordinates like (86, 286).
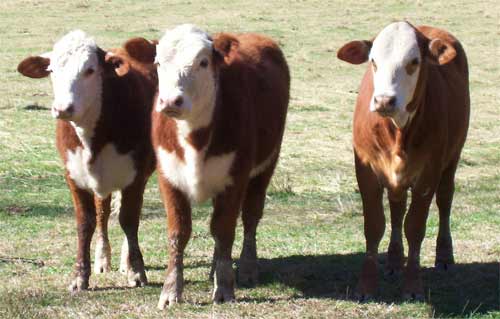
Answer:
(422, 156)
(435, 135)
(251, 106)
(125, 121)
(249, 119)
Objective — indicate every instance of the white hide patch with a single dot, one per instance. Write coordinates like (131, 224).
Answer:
(199, 178)
(109, 172)
(70, 60)
(393, 49)
(179, 54)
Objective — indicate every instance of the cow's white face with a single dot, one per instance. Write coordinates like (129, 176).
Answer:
(187, 77)
(395, 57)
(76, 76)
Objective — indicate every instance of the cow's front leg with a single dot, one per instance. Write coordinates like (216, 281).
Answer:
(178, 211)
(102, 261)
(414, 225)
(223, 226)
(83, 202)
(130, 213)
(374, 227)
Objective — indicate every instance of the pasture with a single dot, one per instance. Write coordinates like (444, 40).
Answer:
(310, 241)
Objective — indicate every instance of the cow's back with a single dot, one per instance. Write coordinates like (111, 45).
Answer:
(257, 82)
(448, 89)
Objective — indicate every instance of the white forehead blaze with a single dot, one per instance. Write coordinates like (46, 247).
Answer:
(73, 51)
(178, 55)
(182, 44)
(394, 49)
(72, 56)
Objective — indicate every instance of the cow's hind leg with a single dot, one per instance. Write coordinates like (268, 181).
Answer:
(130, 212)
(252, 211)
(102, 261)
(444, 198)
(395, 252)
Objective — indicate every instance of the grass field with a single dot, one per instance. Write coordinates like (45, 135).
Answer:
(310, 241)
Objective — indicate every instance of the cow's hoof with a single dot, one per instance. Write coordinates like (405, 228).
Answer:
(248, 274)
(222, 294)
(413, 290)
(223, 282)
(102, 263)
(169, 298)
(78, 284)
(363, 297)
(136, 279)
(171, 293)
(413, 296)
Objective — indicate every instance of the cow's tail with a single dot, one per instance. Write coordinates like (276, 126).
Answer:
(116, 202)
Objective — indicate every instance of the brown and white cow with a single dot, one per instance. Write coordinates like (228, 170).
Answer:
(218, 123)
(102, 103)
(410, 124)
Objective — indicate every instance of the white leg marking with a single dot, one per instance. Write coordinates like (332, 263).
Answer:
(102, 262)
(124, 260)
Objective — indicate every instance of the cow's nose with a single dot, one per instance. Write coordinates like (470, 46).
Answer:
(173, 102)
(384, 103)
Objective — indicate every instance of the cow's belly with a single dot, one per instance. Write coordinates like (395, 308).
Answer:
(199, 178)
(109, 172)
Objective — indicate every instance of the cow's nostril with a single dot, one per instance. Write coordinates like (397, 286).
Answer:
(70, 109)
(392, 101)
(178, 101)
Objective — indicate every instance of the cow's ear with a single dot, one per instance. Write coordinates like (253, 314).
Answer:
(441, 51)
(34, 66)
(141, 49)
(355, 52)
(116, 64)
(225, 47)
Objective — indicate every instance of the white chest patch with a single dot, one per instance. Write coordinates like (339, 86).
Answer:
(199, 178)
(109, 172)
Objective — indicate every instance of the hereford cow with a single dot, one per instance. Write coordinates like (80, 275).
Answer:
(410, 124)
(218, 123)
(102, 103)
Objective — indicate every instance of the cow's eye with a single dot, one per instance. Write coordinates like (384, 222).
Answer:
(374, 66)
(88, 72)
(412, 66)
(204, 63)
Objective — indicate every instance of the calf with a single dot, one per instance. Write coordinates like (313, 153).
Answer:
(218, 123)
(410, 124)
(102, 103)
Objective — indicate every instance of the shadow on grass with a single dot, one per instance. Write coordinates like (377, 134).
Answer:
(28, 211)
(462, 291)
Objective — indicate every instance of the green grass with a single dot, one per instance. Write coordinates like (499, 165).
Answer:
(310, 240)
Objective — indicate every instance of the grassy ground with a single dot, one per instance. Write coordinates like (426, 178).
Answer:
(310, 240)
